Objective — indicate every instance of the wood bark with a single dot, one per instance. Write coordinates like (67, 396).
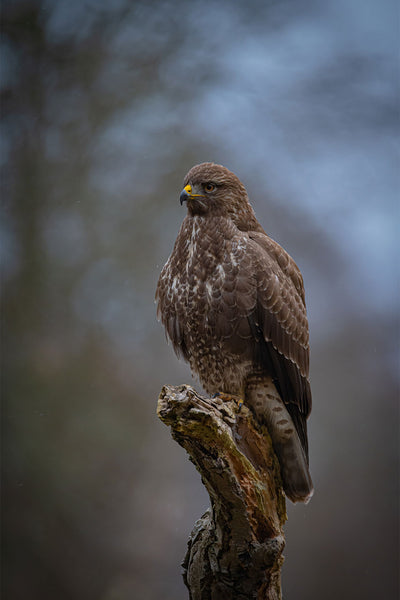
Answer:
(235, 549)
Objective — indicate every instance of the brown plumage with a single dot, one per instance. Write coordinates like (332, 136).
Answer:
(232, 303)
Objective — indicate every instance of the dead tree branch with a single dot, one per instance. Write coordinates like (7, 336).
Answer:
(235, 549)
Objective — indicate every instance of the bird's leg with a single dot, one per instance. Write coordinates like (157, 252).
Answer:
(229, 397)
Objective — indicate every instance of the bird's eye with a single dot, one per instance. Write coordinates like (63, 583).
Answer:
(209, 187)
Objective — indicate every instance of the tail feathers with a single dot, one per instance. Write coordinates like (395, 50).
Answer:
(296, 477)
(269, 408)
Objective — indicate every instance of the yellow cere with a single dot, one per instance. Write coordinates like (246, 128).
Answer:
(188, 190)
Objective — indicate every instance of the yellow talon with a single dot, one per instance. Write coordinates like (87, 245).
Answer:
(229, 397)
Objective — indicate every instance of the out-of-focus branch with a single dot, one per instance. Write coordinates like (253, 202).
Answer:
(235, 549)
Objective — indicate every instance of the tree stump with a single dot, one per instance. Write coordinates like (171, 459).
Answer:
(235, 549)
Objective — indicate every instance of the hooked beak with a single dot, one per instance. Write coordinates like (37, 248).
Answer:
(187, 194)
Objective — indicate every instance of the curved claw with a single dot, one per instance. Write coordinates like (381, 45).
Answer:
(229, 397)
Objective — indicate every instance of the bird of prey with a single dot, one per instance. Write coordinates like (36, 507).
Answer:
(232, 303)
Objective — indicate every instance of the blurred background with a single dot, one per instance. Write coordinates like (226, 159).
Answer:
(105, 107)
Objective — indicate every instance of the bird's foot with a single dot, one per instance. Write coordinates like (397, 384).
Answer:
(229, 397)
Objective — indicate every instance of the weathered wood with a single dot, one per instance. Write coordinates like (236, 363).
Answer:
(235, 549)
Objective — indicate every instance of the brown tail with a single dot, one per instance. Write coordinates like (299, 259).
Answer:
(265, 401)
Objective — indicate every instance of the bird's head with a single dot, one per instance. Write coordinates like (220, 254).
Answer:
(213, 189)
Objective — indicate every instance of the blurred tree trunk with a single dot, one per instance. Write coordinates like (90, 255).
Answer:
(235, 549)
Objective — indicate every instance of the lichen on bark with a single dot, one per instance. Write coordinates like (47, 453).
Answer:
(235, 549)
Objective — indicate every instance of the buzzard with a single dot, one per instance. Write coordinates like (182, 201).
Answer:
(232, 302)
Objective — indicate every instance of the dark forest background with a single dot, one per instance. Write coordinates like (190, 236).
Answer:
(105, 106)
